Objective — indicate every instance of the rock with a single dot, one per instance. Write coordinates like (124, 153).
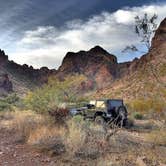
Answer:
(47, 160)
(14, 155)
(3, 57)
(5, 83)
(13, 76)
(140, 161)
(160, 35)
(1, 152)
(37, 155)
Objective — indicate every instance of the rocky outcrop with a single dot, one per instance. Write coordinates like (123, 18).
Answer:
(5, 83)
(160, 35)
(15, 77)
(96, 64)
(37, 76)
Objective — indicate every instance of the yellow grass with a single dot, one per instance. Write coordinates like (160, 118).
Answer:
(157, 137)
(75, 137)
(43, 133)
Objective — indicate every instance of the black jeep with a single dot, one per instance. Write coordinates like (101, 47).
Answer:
(110, 111)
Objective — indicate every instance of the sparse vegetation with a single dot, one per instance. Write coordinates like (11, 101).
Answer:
(54, 94)
(8, 102)
(80, 140)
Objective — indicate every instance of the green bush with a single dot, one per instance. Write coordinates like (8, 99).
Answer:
(54, 94)
(9, 101)
(78, 119)
(138, 116)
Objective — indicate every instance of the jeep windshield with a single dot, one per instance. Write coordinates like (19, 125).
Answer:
(115, 103)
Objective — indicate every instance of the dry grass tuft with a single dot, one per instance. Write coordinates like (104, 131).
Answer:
(157, 137)
(36, 130)
(48, 139)
(25, 122)
(85, 140)
(75, 137)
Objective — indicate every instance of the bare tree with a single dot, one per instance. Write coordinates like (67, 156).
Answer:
(145, 27)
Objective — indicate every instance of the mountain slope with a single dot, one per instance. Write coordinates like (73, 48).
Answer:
(96, 64)
(145, 77)
(20, 78)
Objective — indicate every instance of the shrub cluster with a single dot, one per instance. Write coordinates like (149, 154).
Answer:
(9, 101)
(54, 94)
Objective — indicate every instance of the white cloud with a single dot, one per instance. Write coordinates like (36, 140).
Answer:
(47, 45)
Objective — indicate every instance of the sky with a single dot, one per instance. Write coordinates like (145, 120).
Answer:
(40, 32)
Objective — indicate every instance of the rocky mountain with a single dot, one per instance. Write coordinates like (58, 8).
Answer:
(144, 77)
(105, 76)
(96, 64)
(20, 78)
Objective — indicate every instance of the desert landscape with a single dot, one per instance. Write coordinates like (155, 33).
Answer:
(45, 113)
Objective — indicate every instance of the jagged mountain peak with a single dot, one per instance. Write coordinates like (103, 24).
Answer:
(95, 52)
(98, 50)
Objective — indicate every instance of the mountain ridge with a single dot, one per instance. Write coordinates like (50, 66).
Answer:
(99, 66)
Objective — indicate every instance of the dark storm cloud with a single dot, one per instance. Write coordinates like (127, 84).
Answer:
(20, 15)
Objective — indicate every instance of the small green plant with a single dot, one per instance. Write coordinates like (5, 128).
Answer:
(138, 116)
(78, 119)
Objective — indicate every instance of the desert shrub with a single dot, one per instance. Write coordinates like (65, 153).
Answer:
(60, 115)
(37, 130)
(85, 139)
(137, 115)
(162, 69)
(12, 99)
(4, 105)
(53, 94)
(78, 119)
(75, 137)
(9, 101)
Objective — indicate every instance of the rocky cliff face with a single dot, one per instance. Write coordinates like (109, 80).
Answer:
(20, 78)
(5, 83)
(96, 64)
(160, 35)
